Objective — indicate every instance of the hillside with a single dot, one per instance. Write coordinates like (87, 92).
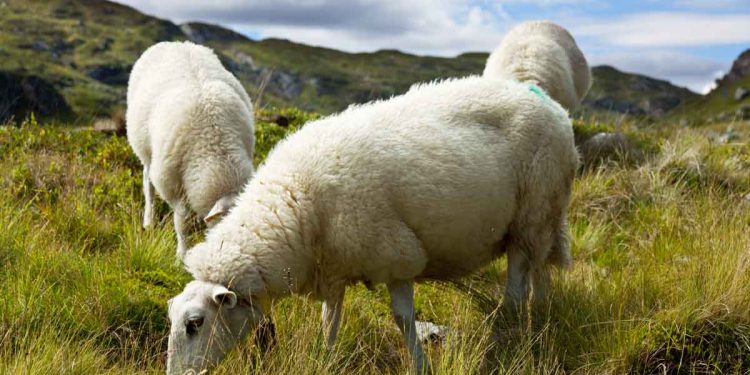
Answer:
(726, 102)
(635, 94)
(80, 51)
(70, 60)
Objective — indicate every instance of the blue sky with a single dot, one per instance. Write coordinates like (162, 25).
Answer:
(688, 42)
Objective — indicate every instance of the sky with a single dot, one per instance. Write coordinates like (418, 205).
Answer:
(688, 42)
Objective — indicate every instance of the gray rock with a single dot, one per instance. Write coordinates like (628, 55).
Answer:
(430, 332)
(109, 74)
(22, 95)
(606, 146)
(726, 138)
(246, 60)
(741, 93)
(110, 126)
(743, 113)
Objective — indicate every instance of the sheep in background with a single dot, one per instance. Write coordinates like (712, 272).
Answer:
(190, 122)
(544, 54)
(430, 185)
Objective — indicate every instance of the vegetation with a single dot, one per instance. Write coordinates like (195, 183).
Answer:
(660, 281)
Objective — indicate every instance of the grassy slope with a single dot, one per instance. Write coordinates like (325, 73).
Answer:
(718, 106)
(661, 273)
(60, 41)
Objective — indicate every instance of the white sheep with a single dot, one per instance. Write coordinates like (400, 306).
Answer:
(545, 54)
(190, 122)
(430, 185)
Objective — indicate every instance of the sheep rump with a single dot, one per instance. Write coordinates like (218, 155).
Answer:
(190, 123)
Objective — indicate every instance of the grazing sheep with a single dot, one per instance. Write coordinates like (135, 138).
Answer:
(545, 54)
(430, 185)
(190, 123)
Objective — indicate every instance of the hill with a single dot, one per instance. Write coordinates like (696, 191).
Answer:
(71, 59)
(728, 102)
(635, 94)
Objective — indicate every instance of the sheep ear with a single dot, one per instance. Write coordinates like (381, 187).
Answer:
(224, 297)
(220, 208)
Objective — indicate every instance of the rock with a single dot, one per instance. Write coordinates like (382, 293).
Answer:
(620, 106)
(109, 74)
(741, 93)
(277, 119)
(603, 146)
(40, 45)
(740, 69)
(21, 95)
(743, 113)
(110, 126)
(430, 332)
(727, 137)
(289, 84)
(203, 32)
(246, 60)
(104, 45)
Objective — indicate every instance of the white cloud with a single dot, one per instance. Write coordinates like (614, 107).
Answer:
(668, 29)
(445, 27)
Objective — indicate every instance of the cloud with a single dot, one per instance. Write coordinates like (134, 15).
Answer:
(445, 27)
(714, 4)
(668, 29)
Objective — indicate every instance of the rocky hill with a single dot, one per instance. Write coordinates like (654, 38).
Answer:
(728, 102)
(635, 94)
(70, 59)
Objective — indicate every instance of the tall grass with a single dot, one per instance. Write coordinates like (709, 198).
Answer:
(660, 281)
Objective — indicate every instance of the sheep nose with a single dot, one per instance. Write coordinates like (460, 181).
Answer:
(192, 324)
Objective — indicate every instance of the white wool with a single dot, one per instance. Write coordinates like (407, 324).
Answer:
(190, 122)
(432, 184)
(545, 54)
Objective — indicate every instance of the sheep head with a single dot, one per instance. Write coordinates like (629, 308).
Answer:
(207, 320)
(545, 54)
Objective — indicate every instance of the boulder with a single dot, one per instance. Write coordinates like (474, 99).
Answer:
(606, 146)
(21, 95)
(110, 126)
(430, 332)
(109, 74)
(741, 93)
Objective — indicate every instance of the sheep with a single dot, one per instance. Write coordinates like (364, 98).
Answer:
(545, 54)
(190, 122)
(429, 185)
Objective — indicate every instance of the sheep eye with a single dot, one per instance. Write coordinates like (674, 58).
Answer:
(192, 325)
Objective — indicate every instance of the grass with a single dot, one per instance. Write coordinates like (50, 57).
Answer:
(660, 282)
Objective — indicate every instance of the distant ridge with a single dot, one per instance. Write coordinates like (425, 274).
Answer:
(82, 51)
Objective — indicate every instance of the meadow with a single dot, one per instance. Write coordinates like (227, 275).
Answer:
(660, 282)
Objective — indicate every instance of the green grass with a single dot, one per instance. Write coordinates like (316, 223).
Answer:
(660, 281)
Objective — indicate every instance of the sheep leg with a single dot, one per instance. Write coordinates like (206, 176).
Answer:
(517, 286)
(332, 307)
(148, 195)
(180, 217)
(402, 306)
(540, 283)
